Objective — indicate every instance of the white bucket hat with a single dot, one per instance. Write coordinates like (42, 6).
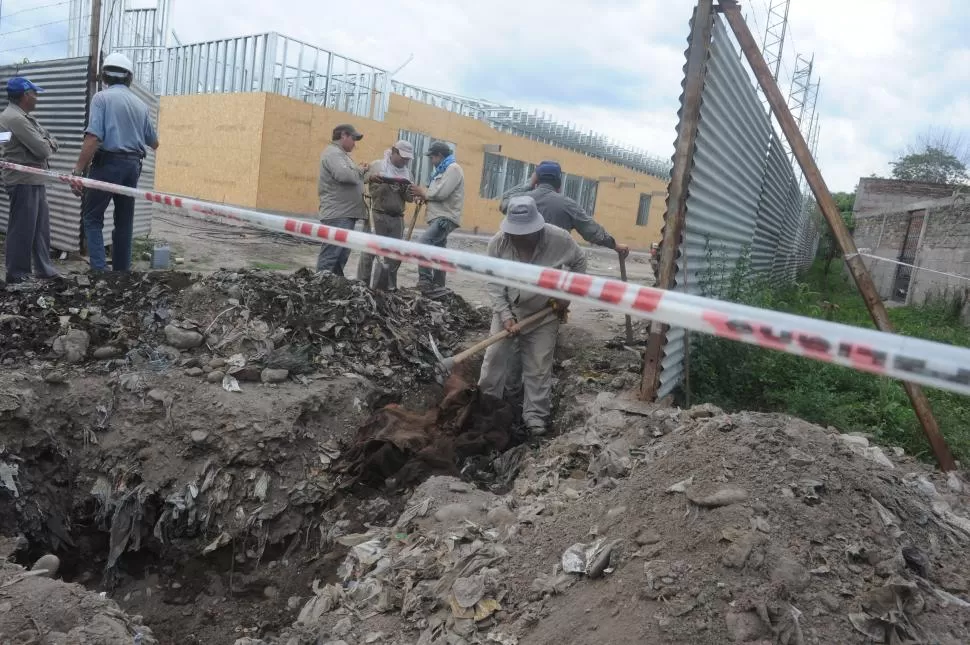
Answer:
(522, 217)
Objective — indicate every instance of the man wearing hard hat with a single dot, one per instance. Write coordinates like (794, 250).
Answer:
(117, 138)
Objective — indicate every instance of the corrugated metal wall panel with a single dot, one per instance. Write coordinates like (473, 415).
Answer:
(730, 154)
(774, 204)
(61, 109)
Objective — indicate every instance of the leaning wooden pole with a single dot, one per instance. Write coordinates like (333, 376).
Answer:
(676, 216)
(826, 204)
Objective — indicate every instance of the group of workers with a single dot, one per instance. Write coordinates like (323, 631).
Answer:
(535, 229)
(118, 135)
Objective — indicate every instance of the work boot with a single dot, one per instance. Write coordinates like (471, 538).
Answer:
(536, 429)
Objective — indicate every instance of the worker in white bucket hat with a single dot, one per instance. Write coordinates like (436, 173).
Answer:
(524, 236)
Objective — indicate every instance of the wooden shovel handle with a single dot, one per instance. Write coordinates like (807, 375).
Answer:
(414, 220)
(502, 335)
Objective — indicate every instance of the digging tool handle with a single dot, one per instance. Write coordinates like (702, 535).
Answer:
(414, 220)
(502, 335)
(629, 321)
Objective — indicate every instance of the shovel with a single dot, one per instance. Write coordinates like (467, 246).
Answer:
(414, 220)
(446, 365)
(629, 321)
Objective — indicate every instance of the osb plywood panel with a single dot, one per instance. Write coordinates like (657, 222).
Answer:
(210, 146)
(294, 134)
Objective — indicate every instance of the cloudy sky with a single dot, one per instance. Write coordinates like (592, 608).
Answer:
(889, 68)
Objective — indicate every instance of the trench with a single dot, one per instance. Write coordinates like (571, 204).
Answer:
(242, 588)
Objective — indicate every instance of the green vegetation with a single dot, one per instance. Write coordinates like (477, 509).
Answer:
(736, 376)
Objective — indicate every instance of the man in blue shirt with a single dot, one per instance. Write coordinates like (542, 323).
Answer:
(117, 138)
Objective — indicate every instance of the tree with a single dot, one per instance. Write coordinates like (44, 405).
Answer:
(934, 165)
(936, 155)
(845, 202)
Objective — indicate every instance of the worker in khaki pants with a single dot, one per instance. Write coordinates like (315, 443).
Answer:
(388, 199)
(525, 237)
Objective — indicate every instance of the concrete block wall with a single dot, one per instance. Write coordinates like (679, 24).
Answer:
(944, 246)
(263, 151)
(877, 195)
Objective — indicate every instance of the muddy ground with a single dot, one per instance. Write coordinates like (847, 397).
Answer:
(257, 456)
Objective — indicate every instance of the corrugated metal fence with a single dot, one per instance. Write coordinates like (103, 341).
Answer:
(743, 203)
(62, 109)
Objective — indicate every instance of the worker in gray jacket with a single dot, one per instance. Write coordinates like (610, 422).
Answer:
(341, 190)
(525, 237)
(29, 224)
(445, 197)
(545, 187)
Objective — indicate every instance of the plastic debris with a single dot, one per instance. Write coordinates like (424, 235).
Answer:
(592, 560)
(681, 486)
(230, 384)
(8, 474)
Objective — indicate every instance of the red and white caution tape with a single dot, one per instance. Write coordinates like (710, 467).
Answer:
(911, 359)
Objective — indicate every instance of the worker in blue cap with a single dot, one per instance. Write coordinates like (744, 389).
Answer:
(28, 242)
(545, 187)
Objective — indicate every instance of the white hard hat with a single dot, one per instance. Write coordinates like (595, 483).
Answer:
(119, 61)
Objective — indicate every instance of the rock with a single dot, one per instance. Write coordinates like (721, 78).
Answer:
(199, 436)
(454, 513)
(342, 628)
(72, 346)
(830, 601)
(182, 338)
(270, 375)
(107, 351)
(159, 396)
(744, 626)
(890, 566)
(49, 562)
(194, 371)
(215, 376)
(500, 516)
(293, 602)
(737, 554)
(271, 592)
(791, 574)
(916, 561)
(56, 377)
(704, 411)
(723, 497)
(249, 374)
(217, 363)
(647, 536)
(799, 458)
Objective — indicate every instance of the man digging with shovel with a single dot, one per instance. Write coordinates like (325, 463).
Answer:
(525, 237)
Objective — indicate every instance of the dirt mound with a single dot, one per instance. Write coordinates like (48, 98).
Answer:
(650, 525)
(302, 323)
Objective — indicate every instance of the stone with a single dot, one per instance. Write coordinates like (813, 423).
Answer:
(293, 602)
(791, 574)
(270, 592)
(744, 626)
(215, 376)
(798, 458)
(199, 436)
(56, 377)
(249, 374)
(182, 338)
(704, 411)
(106, 351)
(647, 536)
(270, 375)
(72, 346)
(454, 513)
(723, 497)
(500, 516)
(830, 601)
(342, 628)
(194, 371)
(217, 363)
(737, 554)
(50, 562)
(159, 396)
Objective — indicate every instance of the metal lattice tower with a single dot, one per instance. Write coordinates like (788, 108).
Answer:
(776, 26)
(803, 93)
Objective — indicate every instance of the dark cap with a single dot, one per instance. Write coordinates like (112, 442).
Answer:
(349, 129)
(439, 148)
(549, 170)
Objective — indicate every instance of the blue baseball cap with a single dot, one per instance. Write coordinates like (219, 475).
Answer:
(550, 169)
(21, 84)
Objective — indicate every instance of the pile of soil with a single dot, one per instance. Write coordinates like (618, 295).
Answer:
(654, 525)
(304, 323)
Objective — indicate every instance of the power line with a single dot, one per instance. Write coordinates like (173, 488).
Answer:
(45, 24)
(53, 42)
(46, 6)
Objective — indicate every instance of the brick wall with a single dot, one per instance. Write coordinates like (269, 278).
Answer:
(944, 246)
(878, 195)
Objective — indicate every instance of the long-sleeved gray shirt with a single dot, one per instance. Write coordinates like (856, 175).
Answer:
(556, 249)
(562, 211)
(30, 145)
(446, 195)
(341, 185)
